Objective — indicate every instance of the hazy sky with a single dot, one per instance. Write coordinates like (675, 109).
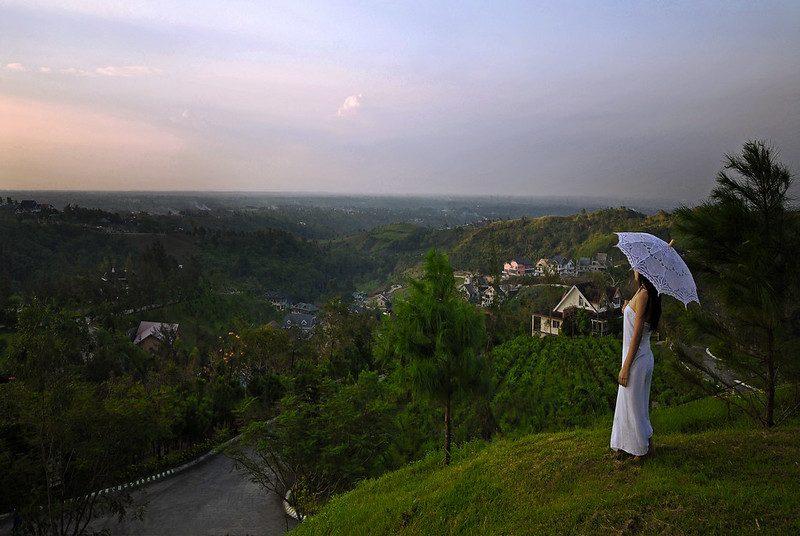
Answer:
(635, 99)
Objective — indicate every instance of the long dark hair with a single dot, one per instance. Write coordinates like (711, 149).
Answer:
(652, 310)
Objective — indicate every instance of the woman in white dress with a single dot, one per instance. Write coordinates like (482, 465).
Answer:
(632, 432)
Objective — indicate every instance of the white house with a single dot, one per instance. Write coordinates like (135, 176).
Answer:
(546, 267)
(602, 304)
(150, 335)
(566, 267)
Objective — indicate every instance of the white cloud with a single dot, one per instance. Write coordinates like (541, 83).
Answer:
(350, 105)
(120, 71)
(127, 70)
(74, 72)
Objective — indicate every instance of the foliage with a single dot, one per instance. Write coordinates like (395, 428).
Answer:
(484, 248)
(325, 439)
(513, 317)
(437, 335)
(320, 413)
(716, 479)
(553, 383)
(344, 341)
(62, 442)
(88, 408)
(743, 243)
(576, 321)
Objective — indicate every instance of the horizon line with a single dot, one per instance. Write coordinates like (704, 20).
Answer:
(327, 193)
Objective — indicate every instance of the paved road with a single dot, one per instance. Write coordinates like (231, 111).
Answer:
(208, 499)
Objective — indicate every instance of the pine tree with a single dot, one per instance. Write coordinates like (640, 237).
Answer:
(743, 244)
(437, 336)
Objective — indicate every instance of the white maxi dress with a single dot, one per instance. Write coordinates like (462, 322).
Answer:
(632, 430)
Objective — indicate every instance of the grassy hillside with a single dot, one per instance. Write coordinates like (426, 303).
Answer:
(706, 478)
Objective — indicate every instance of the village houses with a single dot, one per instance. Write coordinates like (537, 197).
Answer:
(518, 266)
(555, 265)
(302, 321)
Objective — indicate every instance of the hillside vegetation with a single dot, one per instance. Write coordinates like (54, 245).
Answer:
(583, 234)
(486, 247)
(553, 383)
(706, 478)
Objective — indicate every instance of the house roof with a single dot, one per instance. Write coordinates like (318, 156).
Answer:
(153, 329)
(594, 293)
(299, 320)
(522, 260)
(468, 286)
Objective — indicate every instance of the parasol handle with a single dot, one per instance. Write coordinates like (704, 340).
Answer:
(671, 242)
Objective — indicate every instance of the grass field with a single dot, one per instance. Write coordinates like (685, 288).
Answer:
(711, 474)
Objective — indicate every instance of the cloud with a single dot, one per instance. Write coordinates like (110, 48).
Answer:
(74, 72)
(115, 71)
(127, 71)
(350, 105)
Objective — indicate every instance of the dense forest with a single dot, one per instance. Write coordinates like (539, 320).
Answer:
(47, 253)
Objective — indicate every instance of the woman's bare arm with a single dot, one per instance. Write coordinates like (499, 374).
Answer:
(639, 301)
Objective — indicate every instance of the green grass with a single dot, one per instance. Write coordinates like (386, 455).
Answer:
(712, 474)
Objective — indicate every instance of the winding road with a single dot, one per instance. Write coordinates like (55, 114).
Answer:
(211, 498)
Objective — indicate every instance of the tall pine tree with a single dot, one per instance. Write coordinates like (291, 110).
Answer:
(744, 243)
(437, 336)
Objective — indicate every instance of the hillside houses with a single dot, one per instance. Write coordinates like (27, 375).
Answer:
(299, 315)
(518, 266)
(546, 267)
(481, 290)
(555, 265)
(301, 321)
(602, 305)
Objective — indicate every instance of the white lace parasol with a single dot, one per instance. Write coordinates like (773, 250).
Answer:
(660, 263)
